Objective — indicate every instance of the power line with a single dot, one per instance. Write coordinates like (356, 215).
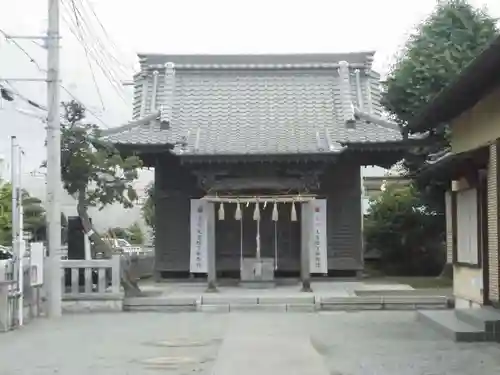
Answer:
(102, 57)
(90, 66)
(32, 60)
(13, 41)
(97, 59)
(21, 96)
(82, 29)
(13, 91)
(92, 9)
(86, 108)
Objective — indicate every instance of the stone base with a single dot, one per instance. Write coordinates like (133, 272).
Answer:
(257, 270)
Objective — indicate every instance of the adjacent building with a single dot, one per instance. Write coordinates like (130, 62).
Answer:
(470, 170)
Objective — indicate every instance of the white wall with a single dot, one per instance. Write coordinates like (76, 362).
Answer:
(371, 171)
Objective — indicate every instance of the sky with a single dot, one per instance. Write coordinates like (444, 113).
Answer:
(182, 26)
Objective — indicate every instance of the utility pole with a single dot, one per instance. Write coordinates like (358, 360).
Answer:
(54, 284)
(18, 244)
(16, 220)
(20, 239)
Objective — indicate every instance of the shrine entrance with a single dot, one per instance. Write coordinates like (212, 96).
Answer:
(279, 239)
(259, 238)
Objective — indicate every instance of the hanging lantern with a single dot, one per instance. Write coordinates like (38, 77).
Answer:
(237, 214)
(256, 212)
(294, 213)
(275, 212)
(221, 211)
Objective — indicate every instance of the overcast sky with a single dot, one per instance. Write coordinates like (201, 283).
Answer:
(185, 26)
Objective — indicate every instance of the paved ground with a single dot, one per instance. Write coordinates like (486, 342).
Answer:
(340, 343)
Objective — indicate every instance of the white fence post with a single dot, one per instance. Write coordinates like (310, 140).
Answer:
(92, 287)
(5, 319)
(9, 295)
(116, 274)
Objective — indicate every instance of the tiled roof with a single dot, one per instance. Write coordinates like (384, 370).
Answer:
(259, 111)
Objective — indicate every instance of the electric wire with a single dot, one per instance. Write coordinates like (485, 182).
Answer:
(82, 29)
(90, 64)
(32, 60)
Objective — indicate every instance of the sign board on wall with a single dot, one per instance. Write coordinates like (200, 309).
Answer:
(198, 236)
(37, 253)
(318, 258)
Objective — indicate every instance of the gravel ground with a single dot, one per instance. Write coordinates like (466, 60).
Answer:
(394, 343)
(357, 343)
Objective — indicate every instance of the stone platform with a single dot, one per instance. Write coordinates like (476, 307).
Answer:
(465, 325)
(326, 296)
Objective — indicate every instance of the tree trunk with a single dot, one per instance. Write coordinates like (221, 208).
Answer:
(128, 276)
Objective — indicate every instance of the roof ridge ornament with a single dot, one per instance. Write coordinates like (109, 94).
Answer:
(144, 95)
(345, 95)
(154, 91)
(368, 73)
(168, 102)
(359, 91)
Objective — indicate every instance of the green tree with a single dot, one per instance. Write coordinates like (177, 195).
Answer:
(5, 214)
(148, 209)
(433, 57)
(96, 175)
(33, 220)
(132, 234)
(135, 235)
(408, 234)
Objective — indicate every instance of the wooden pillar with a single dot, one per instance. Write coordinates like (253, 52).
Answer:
(211, 263)
(306, 224)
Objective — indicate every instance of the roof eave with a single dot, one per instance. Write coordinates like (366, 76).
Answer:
(449, 165)
(132, 124)
(396, 145)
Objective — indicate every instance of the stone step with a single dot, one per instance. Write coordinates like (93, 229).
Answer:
(221, 308)
(159, 308)
(302, 303)
(160, 304)
(485, 318)
(448, 324)
(221, 299)
(392, 302)
(161, 301)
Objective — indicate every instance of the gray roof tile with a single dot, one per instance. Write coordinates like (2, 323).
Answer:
(255, 112)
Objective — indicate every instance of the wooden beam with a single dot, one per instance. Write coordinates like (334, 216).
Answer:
(260, 199)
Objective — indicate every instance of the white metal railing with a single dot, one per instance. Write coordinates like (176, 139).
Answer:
(95, 279)
(10, 295)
